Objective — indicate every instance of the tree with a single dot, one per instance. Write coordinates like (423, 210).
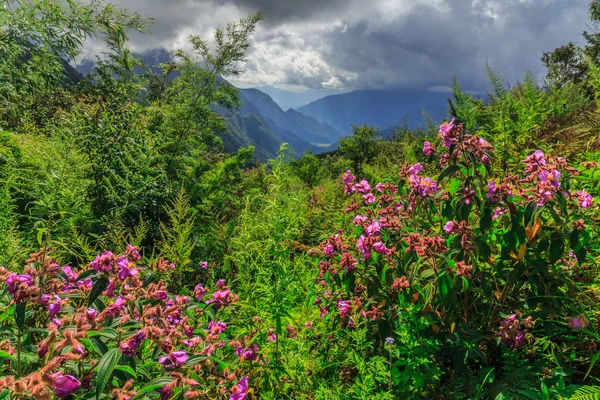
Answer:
(361, 146)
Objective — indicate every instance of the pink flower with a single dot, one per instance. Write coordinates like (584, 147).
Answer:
(204, 264)
(585, 199)
(428, 149)
(91, 314)
(449, 227)
(64, 385)
(239, 391)
(308, 324)
(344, 306)
(415, 169)
(379, 187)
(128, 346)
(14, 280)
(492, 188)
(216, 327)
(85, 284)
(324, 310)
(174, 359)
(126, 269)
(373, 229)
(131, 252)
(363, 187)
(363, 247)
(369, 198)
(328, 250)
(379, 247)
(68, 271)
(446, 132)
(104, 262)
(271, 336)
(248, 354)
(359, 220)
(348, 177)
(199, 292)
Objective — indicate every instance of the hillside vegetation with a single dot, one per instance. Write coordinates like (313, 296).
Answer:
(139, 259)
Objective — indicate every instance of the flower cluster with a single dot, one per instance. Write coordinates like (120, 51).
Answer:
(114, 294)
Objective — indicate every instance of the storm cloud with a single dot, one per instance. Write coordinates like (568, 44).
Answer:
(343, 44)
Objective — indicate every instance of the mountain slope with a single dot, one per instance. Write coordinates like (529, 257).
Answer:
(249, 127)
(383, 108)
(304, 127)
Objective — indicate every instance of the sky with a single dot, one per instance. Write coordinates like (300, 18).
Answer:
(341, 45)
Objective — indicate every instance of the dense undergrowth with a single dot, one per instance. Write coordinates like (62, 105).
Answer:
(139, 260)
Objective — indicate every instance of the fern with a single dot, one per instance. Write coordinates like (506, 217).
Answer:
(177, 239)
(586, 393)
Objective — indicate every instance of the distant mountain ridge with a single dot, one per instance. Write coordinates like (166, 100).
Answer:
(383, 108)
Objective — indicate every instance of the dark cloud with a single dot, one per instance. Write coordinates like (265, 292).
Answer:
(337, 44)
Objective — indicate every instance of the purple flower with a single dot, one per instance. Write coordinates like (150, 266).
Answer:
(68, 271)
(271, 336)
(14, 280)
(428, 149)
(115, 308)
(492, 188)
(85, 284)
(328, 250)
(379, 187)
(104, 262)
(446, 131)
(389, 340)
(128, 346)
(160, 295)
(485, 160)
(131, 252)
(216, 327)
(239, 391)
(361, 245)
(199, 292)
(126, 269)
(344, 306)
(110, 289)
(64, 385)
(91, 314)
(54, 307)
(248, 354)
(220, 298)
(348, 177)
(324, 311)
(174, 359)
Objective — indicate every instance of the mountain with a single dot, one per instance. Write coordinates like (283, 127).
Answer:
(295, 99)
(383, 108)
(302, 126)
(248, 126)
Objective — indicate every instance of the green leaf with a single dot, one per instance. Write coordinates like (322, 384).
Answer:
(106, 366)
(157, 383)
(20, 315)
(195, 359)
(99, 287)
(592, 363)
(486, 220)
(448, 171)
(127, 369)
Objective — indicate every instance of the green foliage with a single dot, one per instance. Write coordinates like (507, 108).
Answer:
(177, 238)
(360, 146)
